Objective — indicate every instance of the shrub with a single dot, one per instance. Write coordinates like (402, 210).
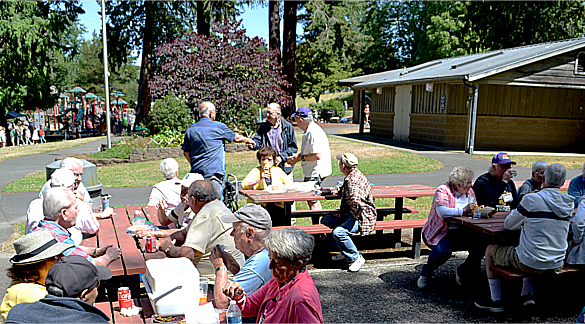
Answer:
(171, 112)
(334, 104)
(167, 138)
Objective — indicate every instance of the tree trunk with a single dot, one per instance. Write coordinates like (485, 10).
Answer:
(203, 26)
(144, 96)
(274, 26)
(289, 52)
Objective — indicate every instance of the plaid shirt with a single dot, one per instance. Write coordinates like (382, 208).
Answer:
(357, 200)
(436, 227)
(61, 235)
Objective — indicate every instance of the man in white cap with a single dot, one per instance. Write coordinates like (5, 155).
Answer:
(357, 213)
(76, 166)
(251, 225)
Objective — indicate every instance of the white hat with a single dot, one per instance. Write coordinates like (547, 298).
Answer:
(62, 178)
(37, 246)
(348, 159)
(189, 179)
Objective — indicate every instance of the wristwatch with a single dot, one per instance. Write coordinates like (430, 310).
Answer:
(220, 268)
(302, 158)
(167, 250)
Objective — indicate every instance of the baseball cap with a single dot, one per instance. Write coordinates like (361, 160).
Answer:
(72, 275)
(302, 112)
(189, 179)
(348, 159)
(252, 214)
(502, 158)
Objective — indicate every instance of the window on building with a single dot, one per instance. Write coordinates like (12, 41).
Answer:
(580, 63)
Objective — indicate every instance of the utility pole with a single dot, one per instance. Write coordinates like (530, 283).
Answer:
(106, 76)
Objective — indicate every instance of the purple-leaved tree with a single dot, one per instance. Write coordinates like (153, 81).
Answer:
(228, 68)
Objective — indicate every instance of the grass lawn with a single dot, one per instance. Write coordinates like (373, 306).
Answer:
(569, 162)
(373, 160)
(12, 152)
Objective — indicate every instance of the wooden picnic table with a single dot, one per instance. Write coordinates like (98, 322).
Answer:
(490, 226)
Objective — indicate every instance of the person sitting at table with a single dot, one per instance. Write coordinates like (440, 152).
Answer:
(76, 166)
(535, 183)
(60, 208)
(265, 175)
(251, 225)
(290, 296)
(576, 252)
(453, 198)
(496, 188)
(543, 218)
(166, 195)
(357, 212)
(72, 286)
(577, 186)
(204, 232)
(86, 221)
(35, 255)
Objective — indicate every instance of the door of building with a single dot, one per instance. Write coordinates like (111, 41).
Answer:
(402, 102)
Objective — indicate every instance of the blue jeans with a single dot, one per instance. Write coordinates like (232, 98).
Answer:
(460, 239)
(340, 238)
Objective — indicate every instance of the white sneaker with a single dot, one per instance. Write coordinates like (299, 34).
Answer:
(423, 282)
(338, 257)
(357, 264)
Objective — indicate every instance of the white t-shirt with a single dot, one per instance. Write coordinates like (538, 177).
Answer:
(315, 141)
(168, 191)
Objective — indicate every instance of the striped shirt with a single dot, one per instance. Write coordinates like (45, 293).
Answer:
(61, 235)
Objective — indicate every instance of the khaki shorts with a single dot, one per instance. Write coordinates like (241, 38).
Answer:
(506, 256)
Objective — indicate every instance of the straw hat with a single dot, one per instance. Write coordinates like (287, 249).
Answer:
(37, 246)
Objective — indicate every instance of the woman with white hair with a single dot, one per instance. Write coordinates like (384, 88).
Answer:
(166, 195)
(535, 183)
(453, 198)
(290, 296)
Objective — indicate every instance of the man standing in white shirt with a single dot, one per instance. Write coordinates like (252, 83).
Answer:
(315, 155)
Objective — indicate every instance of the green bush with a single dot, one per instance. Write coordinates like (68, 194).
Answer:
(336, 105)
(166, 138)
(170, 112)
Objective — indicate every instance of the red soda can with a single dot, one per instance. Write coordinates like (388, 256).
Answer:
(150, 244)
(124, 297)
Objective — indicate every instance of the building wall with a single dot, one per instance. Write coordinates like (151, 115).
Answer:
(382, 112)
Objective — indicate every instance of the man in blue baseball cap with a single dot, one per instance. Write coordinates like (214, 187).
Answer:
(496, 188)
(315, 155)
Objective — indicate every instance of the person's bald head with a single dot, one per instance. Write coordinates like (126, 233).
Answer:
(207, 109)
(203, 191)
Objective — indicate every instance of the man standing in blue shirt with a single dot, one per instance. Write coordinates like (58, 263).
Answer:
(577, 187)
(204, 148)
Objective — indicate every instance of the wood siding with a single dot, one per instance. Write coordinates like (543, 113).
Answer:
(425, 102)
(382, 112)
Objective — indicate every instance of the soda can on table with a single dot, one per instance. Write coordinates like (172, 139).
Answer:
(124, 298)
(150, 244)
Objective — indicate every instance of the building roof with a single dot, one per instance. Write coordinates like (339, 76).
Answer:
(469, 67)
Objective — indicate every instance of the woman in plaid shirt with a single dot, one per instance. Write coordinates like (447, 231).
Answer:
(357, 213)
(453, 198)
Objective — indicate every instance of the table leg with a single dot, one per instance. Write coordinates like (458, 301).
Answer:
(398, 206)
(288, 213)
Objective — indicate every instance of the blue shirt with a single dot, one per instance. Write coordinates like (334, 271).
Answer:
(204, 141)
(255, 272)
(577, 188)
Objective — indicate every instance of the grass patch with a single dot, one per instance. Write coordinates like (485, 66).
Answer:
(13, 152)
(18, 233)
(569, 162)
(115, 152)
(373, 160)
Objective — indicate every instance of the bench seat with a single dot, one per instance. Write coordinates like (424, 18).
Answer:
(509, 273)
(415, 224)
(381, 211)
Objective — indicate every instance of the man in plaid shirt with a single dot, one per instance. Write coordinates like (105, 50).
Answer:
(60, 210)
(357, 213)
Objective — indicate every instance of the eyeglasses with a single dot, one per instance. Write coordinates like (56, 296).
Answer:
(78, 174)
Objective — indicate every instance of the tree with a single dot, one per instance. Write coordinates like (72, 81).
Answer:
(169, 112)
(274, 26)
(289, 52)
(331, 45)
(30, 32)
(226, 68)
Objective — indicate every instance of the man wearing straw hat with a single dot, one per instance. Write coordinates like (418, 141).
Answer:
(36, 253)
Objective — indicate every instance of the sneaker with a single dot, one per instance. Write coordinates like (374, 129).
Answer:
(490, 305)
(458, 276)
(423, 282)
(357, 264)
(527, 300)
(338, 257)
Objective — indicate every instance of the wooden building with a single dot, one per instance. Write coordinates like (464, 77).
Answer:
(524, 98)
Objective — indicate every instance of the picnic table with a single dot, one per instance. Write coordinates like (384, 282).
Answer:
(489, 226)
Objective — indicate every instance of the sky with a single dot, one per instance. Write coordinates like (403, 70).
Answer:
(255, 20)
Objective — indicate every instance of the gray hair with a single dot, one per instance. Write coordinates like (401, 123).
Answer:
(261, 234)
(292, 244)
(70, 162)
(460, 176)
(56, 199)
(202, 190)
(169, 168)
(275, 106)
(539, 165)
(555, 175)
(206, 108)
(62, 178)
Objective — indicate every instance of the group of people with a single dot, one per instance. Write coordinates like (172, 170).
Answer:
(541, 212)
(22, 133)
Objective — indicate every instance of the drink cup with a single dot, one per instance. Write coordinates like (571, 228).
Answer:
(476, 213)
(105, 201)
(203, 284)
